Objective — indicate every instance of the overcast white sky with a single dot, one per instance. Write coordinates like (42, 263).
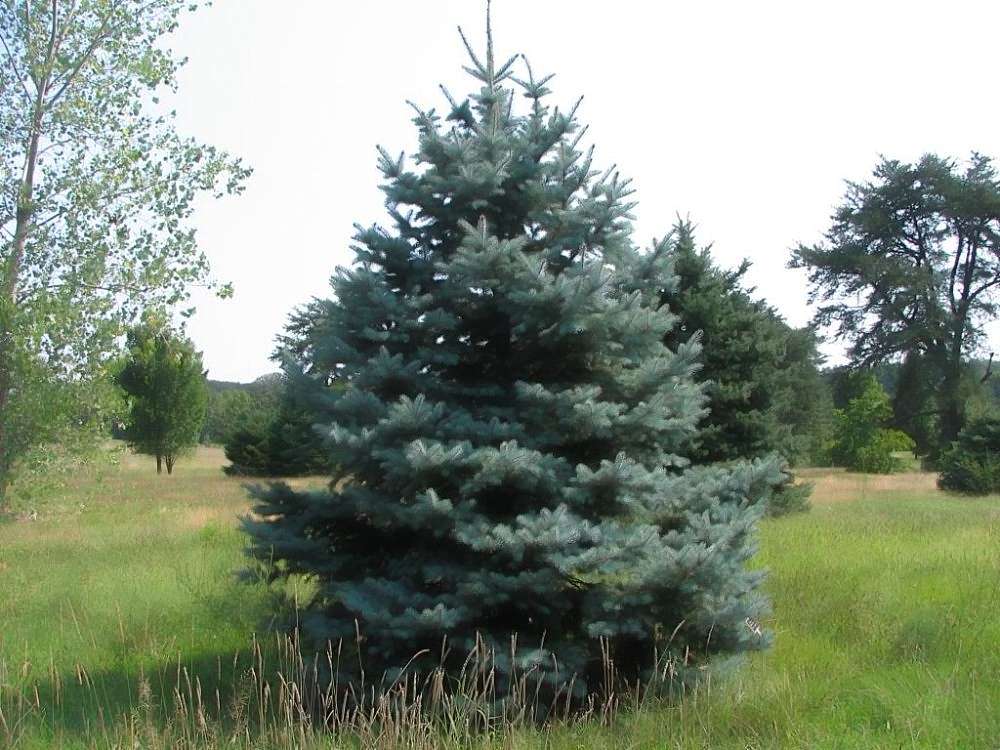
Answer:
(747, 116)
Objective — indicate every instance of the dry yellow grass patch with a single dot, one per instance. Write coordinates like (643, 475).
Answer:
(837, 485)
(48, 532)
(200, 516)
(203, 457)
(199, 493)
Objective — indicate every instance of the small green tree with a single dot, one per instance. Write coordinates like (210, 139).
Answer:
(862, 441)
(285, 445)
(165, 383)
(972, 464)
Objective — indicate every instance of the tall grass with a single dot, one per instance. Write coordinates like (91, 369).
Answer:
(274, 696)
(122, 625)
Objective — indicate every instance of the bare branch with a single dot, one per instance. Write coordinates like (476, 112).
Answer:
(954, 273)
(116, 289)
(98, 39)
(995, 282)
(17, 71)
(67, 24)
(52, 35)
(989, 370)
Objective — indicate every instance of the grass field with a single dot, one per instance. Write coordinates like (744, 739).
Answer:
(123, 590)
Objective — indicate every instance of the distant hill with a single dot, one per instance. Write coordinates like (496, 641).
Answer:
(262, 384)
(233, 406)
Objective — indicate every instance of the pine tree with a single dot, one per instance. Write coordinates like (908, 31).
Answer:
(971, 465)
(765, 391)
(283, 444)
(510, 425)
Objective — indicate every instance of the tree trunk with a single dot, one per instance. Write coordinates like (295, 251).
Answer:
(952, 401)
(159, 464)
(952, 417)
(8, 291)
(914, 400)
(4, 484)
(5, 458)
(170, 465)
(25, 211)
(6, 339)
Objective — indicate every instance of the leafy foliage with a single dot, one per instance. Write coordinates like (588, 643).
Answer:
(231, 410)
(97, 191)
(51, 421)
(972, 463)
(50, 468)
(861, 440)
(165, 383)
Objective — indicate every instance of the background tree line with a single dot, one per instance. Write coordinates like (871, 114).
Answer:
(96, 203)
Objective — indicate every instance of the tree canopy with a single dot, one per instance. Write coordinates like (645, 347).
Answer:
(164, 380)
(285, 443)
(97, 191)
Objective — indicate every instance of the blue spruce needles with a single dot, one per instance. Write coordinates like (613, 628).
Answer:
(491, 378)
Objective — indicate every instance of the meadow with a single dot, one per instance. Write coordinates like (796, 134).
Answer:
(123, 624)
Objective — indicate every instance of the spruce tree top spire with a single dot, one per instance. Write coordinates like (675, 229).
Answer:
(487, 73)
(512, 424)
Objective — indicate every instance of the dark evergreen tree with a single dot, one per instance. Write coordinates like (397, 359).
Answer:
(711, 305)
(913, 402)
(288, 443)
(765, 390)
(801, 401)
(972, 463)
(511, 422)
(285, 444)
(248, 451)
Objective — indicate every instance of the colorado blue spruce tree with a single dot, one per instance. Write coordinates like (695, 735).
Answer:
(507, 422)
